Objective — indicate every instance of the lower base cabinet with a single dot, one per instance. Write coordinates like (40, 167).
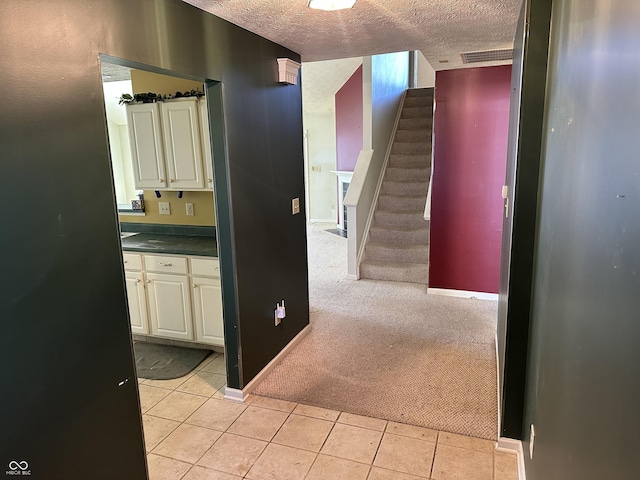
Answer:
(177, 297)
(137, 299)
(169, 306)
(207, 306)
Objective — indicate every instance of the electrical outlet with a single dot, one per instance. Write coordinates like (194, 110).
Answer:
(316, 168)
(295, 206)
(165, 208)
(532, 438)
(189, 207)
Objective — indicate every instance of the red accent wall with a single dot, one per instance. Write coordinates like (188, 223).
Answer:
(349, 122)
(470, 128)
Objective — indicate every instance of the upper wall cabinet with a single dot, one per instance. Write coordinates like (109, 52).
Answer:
(167, 145)
(147, 151)
(206, 143)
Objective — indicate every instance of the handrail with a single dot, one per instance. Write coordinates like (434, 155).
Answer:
(427, 206)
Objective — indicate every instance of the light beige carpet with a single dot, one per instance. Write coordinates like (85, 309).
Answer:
(391, 351)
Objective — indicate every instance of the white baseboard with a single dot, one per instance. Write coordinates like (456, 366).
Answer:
(509, 445)
(463, 294)
(238, 395)
(323, 220)
(352, 277)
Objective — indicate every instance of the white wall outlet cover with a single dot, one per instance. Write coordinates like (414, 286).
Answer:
(189, 209)
(165, 208)
(295, 206)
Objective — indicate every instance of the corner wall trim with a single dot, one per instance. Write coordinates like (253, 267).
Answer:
(463, 294)
(510, 445)
(237, 395)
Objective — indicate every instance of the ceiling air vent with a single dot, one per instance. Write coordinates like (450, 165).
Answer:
(487, 56)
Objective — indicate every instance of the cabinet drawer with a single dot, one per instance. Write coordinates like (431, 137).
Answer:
(163, 264)
(132, 261)
(205, 267)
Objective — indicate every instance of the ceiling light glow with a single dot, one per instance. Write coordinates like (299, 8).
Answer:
(331, 4)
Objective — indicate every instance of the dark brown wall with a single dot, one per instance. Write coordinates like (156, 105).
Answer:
(65, 343)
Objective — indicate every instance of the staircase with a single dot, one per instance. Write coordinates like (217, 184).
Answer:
(398, 245)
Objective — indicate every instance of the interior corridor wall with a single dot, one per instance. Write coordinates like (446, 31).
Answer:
(584, 362)
(470, 155)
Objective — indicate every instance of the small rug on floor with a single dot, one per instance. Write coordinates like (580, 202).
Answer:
(164, 362)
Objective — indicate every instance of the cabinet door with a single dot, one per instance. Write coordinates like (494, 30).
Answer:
(207, 306)
(183, 153)
(207, 156)
(137, 302)
(170, 306)
(145, 141)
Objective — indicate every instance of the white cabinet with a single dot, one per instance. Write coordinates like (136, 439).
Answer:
(207, 157)
(145, 141)
(170, 306)
(183, 150)
(207, 301)
(167, 145)
(175, 296)
(137, 302)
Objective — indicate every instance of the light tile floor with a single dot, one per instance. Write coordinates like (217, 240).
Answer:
(192, 433)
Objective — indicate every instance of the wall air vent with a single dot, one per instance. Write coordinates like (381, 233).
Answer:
(487, 56)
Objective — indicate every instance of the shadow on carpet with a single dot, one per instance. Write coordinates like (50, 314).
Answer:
(164, 362)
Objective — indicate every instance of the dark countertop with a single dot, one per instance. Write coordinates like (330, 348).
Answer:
(159, 243)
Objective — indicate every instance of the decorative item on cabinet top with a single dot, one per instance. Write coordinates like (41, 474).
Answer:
(170, 144)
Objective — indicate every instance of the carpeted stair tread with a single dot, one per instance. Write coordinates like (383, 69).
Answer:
(413, 173)
(423, 102)
(412, 112)
(395, 271)
(400, 235)
(402, 202)
(394, 252)
(399, 160)
(420, 92)
(418, 135)
(411, 123)
(398, 219)
(404, 187)
(411, 148)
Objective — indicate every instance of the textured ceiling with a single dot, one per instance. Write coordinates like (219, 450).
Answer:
(441, 29)
(322, 80)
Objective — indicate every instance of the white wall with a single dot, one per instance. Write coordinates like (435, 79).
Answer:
(320, 82)
(320, 129)
(426, 75)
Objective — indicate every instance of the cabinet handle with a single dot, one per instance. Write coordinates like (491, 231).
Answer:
(138, 281)
(171, 180)
(126, 261)
(210, 180)
(166, 264)
(148, 281)
(162, 179)
(195, 286)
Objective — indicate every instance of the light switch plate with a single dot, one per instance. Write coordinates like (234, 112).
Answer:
(295, 206)
(165, 208)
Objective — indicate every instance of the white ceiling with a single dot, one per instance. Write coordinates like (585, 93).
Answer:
(441, 29)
